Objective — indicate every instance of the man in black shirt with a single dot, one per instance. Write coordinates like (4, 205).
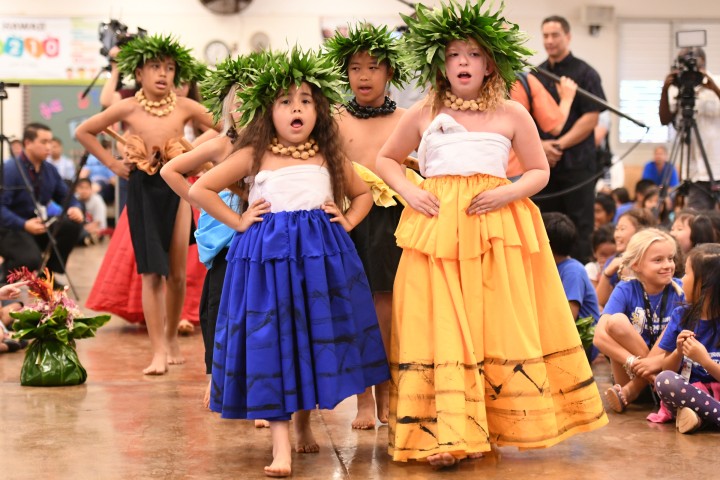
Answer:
(571, 154)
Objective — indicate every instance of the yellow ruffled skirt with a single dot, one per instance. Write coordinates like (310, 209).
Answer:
(484, 349)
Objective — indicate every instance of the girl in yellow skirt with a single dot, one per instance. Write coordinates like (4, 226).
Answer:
(484, 349)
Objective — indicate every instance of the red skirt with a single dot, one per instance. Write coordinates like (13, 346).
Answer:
(118, 286)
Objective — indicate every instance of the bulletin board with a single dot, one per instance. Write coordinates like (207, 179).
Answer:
(61, 108)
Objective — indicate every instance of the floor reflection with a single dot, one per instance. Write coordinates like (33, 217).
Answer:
(122, 424)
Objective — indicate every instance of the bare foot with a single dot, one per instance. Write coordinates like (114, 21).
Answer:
(206, 397)
(382, 401)
(442, 460)
(365, 418)
(262, 424)
(282, 452)
(185, 327)
(158, 366)
(281, 465)
(475, 455)
(174, 357)
(304, 438)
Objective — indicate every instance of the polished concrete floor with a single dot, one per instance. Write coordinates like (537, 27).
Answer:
(123, 425)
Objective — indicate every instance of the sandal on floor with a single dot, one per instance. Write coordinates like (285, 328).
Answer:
(616, 399)
(687, 420)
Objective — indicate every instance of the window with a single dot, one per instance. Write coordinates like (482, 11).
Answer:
(644, 64)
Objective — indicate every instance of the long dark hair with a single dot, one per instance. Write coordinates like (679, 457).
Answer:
(705, 263)
(259, 133)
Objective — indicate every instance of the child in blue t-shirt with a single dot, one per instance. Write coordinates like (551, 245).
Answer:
(576, 283)
(636, 314)
(692, 347)
(578, 288)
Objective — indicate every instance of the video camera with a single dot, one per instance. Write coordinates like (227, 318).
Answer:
(114, 33)
(688, 73)
(688, 76)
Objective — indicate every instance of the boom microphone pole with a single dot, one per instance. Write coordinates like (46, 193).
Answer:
(592, 97)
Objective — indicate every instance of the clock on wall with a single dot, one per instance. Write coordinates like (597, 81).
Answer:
(259, 41)
(216, 51)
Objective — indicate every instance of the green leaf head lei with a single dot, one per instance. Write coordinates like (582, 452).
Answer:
(139, 50)
(198, 72)
(241, 71)
(377, 41)
(433, 29)
(284, 70)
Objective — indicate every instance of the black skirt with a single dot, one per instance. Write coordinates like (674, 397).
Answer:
(152, 208)
(210, 304)
(375, 242)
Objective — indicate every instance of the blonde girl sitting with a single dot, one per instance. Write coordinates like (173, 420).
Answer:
(636, 314)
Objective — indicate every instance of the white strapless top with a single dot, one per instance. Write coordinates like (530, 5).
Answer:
(298, 187)
(448, 148)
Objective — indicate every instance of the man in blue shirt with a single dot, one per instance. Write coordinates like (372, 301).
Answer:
(23, 229)
(657, 168)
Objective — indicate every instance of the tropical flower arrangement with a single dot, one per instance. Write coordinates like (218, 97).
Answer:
(54, 322)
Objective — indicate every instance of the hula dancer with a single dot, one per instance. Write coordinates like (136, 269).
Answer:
(118, 286)
(369, 58)
(159, 224)
(484, 349)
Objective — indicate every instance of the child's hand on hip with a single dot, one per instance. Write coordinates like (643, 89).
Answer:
(331, 209)
(253, 214)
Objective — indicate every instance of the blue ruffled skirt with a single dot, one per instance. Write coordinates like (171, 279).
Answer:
(297, 326)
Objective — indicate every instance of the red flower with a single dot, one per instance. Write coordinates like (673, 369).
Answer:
(40, 288)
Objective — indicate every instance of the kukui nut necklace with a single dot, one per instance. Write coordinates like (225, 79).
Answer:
(160, 108)
(359, 111)
(456, 103)
(302, 151)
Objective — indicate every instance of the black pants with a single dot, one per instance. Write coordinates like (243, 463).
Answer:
(22, 249)
(578, 205)
(210, 304)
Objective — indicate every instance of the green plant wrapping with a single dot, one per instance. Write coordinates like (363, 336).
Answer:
(51, 363)
(586, 329)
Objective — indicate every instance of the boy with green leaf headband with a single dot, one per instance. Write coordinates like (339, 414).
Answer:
(370, 59)
(159, 223)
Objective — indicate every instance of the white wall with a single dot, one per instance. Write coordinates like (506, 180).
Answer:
(288, 22)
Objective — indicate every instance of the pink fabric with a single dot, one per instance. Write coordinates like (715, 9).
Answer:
(664, 415)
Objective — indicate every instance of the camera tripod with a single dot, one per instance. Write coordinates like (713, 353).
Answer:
(27, 187)
(680, 158)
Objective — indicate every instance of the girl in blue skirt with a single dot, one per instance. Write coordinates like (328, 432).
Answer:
(296, 327)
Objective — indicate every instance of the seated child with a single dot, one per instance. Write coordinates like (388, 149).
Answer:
(579, 290)
(95, 212)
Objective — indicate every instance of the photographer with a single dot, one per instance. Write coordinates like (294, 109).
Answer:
(22, 228)
(690, 91)
(113, 91)
(113, 35)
